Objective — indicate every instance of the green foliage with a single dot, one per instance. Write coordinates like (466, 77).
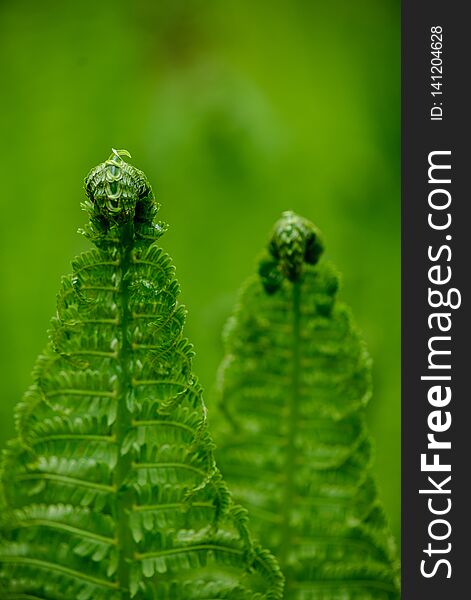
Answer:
(230, 125)
(294, 446)
(110, 490)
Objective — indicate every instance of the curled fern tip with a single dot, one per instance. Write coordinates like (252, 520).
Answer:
(118, 192)
(293, 242)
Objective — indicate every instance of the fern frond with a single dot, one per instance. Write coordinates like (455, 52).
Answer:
(110, 490)
(293, 445)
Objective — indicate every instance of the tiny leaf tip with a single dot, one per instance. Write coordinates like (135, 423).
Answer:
(119, 153)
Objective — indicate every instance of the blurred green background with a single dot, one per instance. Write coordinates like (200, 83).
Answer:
(236, 111)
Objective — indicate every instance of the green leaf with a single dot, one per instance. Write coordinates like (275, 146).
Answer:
(293, 445)
(110, 490)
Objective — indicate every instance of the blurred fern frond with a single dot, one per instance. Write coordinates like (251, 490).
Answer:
(110, 490)
(292, 439)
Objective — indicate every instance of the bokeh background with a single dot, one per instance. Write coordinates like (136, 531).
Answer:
(236, 111)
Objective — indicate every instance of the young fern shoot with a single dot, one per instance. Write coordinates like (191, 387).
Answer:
(294, 447)
(110, 490)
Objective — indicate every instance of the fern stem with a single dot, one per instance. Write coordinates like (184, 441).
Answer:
(69, 437)
(73, 530)
(173, 465)
(43, 564)
(74, 392)
(166, 423)
(124, 420)
(170, 506)
(292, 421)
(195, 548)
(66, 479)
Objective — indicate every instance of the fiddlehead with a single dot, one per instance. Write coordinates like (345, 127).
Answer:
(294, 446)
(294, 241)
(110, 490)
